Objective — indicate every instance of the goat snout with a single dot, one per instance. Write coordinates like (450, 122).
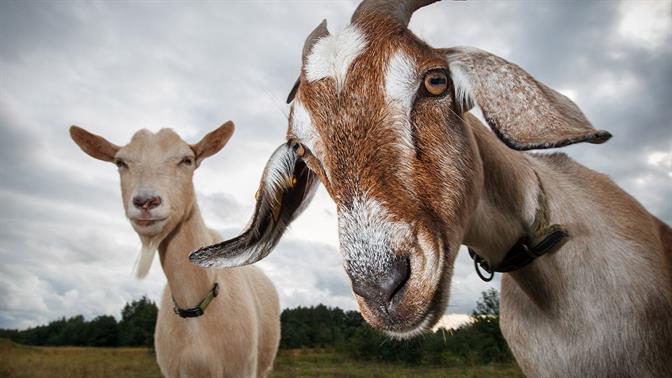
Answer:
(382, 290)
(146, 202)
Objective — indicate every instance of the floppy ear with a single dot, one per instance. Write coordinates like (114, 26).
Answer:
(213, 142)
(524, 113)
(287, 187)
(95, 146)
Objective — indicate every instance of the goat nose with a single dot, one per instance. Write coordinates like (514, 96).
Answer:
(381, 290)
(146, 202)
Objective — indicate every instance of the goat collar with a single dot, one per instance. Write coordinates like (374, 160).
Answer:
(539, 239)
(199, 310)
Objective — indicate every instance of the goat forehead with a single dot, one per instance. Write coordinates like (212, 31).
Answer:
(148, 145)
(332, 56)
(368, 122)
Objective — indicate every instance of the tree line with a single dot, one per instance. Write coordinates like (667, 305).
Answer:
(136, 328)
(477, 342)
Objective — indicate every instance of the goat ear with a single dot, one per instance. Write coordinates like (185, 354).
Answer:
(524, 113)
(292, 93)
(95, 146)
(213, 142)
(287, 187)
(319, 32)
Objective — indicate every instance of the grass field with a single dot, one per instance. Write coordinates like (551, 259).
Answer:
(25, 361)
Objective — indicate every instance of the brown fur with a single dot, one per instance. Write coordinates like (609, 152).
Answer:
(414, 176)
(477, 191)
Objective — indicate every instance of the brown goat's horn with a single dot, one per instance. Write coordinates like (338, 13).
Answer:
(399, 9)
(319, 32)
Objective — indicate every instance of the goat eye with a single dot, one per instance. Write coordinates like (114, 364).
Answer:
(120, 164)
(298, 148)
(436, 83)
(187, 161)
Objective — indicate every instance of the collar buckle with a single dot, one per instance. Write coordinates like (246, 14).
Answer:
(199, 310)
(540, 239)
(480, 263)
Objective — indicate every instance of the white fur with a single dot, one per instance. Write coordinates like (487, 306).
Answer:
(401, 81)
(146, 256)
(238, 334)
(303, 129)
(433, 262)
(278, 170)
(332, 55)
(401, 85)
(302, 126)
(420, 329)
(368, 238)
(463, 89)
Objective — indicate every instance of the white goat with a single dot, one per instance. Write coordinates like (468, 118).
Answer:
(234, 328)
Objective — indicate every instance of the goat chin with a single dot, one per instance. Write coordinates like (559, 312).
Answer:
(145, 257)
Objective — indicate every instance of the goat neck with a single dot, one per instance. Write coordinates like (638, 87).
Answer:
(506, 209)
(508, 198)
(187, 282)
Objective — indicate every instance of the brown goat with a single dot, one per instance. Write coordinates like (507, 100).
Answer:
(381, 119)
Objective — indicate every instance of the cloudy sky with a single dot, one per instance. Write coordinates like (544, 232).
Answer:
(116, 67)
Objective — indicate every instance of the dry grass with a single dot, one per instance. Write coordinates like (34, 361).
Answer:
(18, 361)
(328, 364)
(45, 362)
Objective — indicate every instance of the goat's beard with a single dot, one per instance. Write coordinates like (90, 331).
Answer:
(146, 256)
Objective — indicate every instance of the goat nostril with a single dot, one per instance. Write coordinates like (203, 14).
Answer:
(401, 271)
(138, 202)
(146, 203)
(383, 289)
(154, 202)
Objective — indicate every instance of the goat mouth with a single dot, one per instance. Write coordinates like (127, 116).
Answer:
(431, 313)
(425, 324)
(147, 222)
(430, 316)
(400, 325)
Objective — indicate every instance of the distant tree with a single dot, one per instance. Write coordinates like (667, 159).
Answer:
(135, 329)
(369, 344)
(477, 342)
(364, 343)
(316, 327)
(490, 343)
(487, 306)
(73, 332)
(11, 334)
(103, 332)
(138, 320)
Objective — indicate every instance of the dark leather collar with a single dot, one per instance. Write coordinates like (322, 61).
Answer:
(199, 310)
(540, 238)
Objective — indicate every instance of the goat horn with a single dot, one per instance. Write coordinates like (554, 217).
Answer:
(400, 10)
(320, 31)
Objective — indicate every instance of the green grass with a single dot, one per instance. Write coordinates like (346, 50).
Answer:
(26, 361)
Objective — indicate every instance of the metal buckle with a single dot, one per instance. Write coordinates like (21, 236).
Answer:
(479, 264)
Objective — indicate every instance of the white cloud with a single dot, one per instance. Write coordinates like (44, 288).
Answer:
(451, 321)
(661, 160)
(647, 23)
